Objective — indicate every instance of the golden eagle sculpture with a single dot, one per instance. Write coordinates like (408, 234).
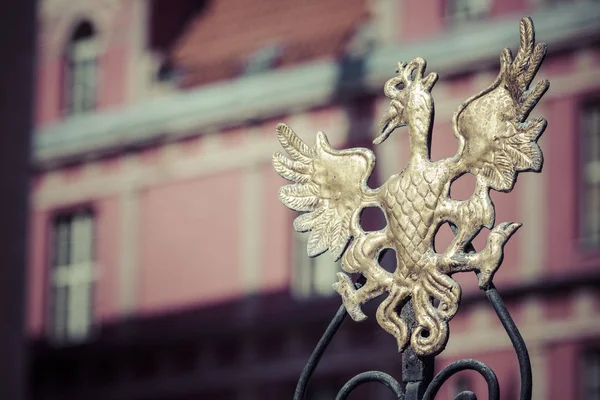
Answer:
(496, 141)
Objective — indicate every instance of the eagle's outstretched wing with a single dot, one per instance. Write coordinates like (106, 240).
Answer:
(496, 141)
(330, 186)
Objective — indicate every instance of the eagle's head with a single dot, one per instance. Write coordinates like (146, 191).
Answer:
(406, 90)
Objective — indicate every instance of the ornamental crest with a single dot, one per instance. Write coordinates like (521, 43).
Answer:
(496, 142)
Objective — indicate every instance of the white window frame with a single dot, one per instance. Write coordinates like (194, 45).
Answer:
(312, 277)
(72, 276)
(590, 175)
(82, 76)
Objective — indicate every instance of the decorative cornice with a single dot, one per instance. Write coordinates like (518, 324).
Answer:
(282, 91)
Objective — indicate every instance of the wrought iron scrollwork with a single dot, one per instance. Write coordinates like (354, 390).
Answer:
(442, 376)
(370, 376)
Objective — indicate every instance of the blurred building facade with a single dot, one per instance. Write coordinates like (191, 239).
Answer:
(162, 265)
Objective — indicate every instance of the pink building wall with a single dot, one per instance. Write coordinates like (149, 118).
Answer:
(189, 241)
(420, 19)
(276, 250)
(500, 8)
(113, 78)
(566, 371)
(37, 274)
(108, 216)
(566, 252)
(48, 87)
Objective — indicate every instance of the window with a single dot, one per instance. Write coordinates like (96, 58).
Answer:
(312, 276)
(71, 277)
(591, 375)
(467, 10)
(590, 216)
(81, 74)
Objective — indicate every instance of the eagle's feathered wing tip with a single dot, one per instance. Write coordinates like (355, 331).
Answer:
(328, 186)
(515, 149)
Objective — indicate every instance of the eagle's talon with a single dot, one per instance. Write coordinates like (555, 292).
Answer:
(499, 236)
(507, 229)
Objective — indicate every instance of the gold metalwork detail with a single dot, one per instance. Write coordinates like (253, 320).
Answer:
(496, 142)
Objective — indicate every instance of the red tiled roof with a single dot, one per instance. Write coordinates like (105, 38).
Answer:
(217, 42)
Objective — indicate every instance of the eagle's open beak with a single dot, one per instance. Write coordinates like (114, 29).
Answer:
(388, 124)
